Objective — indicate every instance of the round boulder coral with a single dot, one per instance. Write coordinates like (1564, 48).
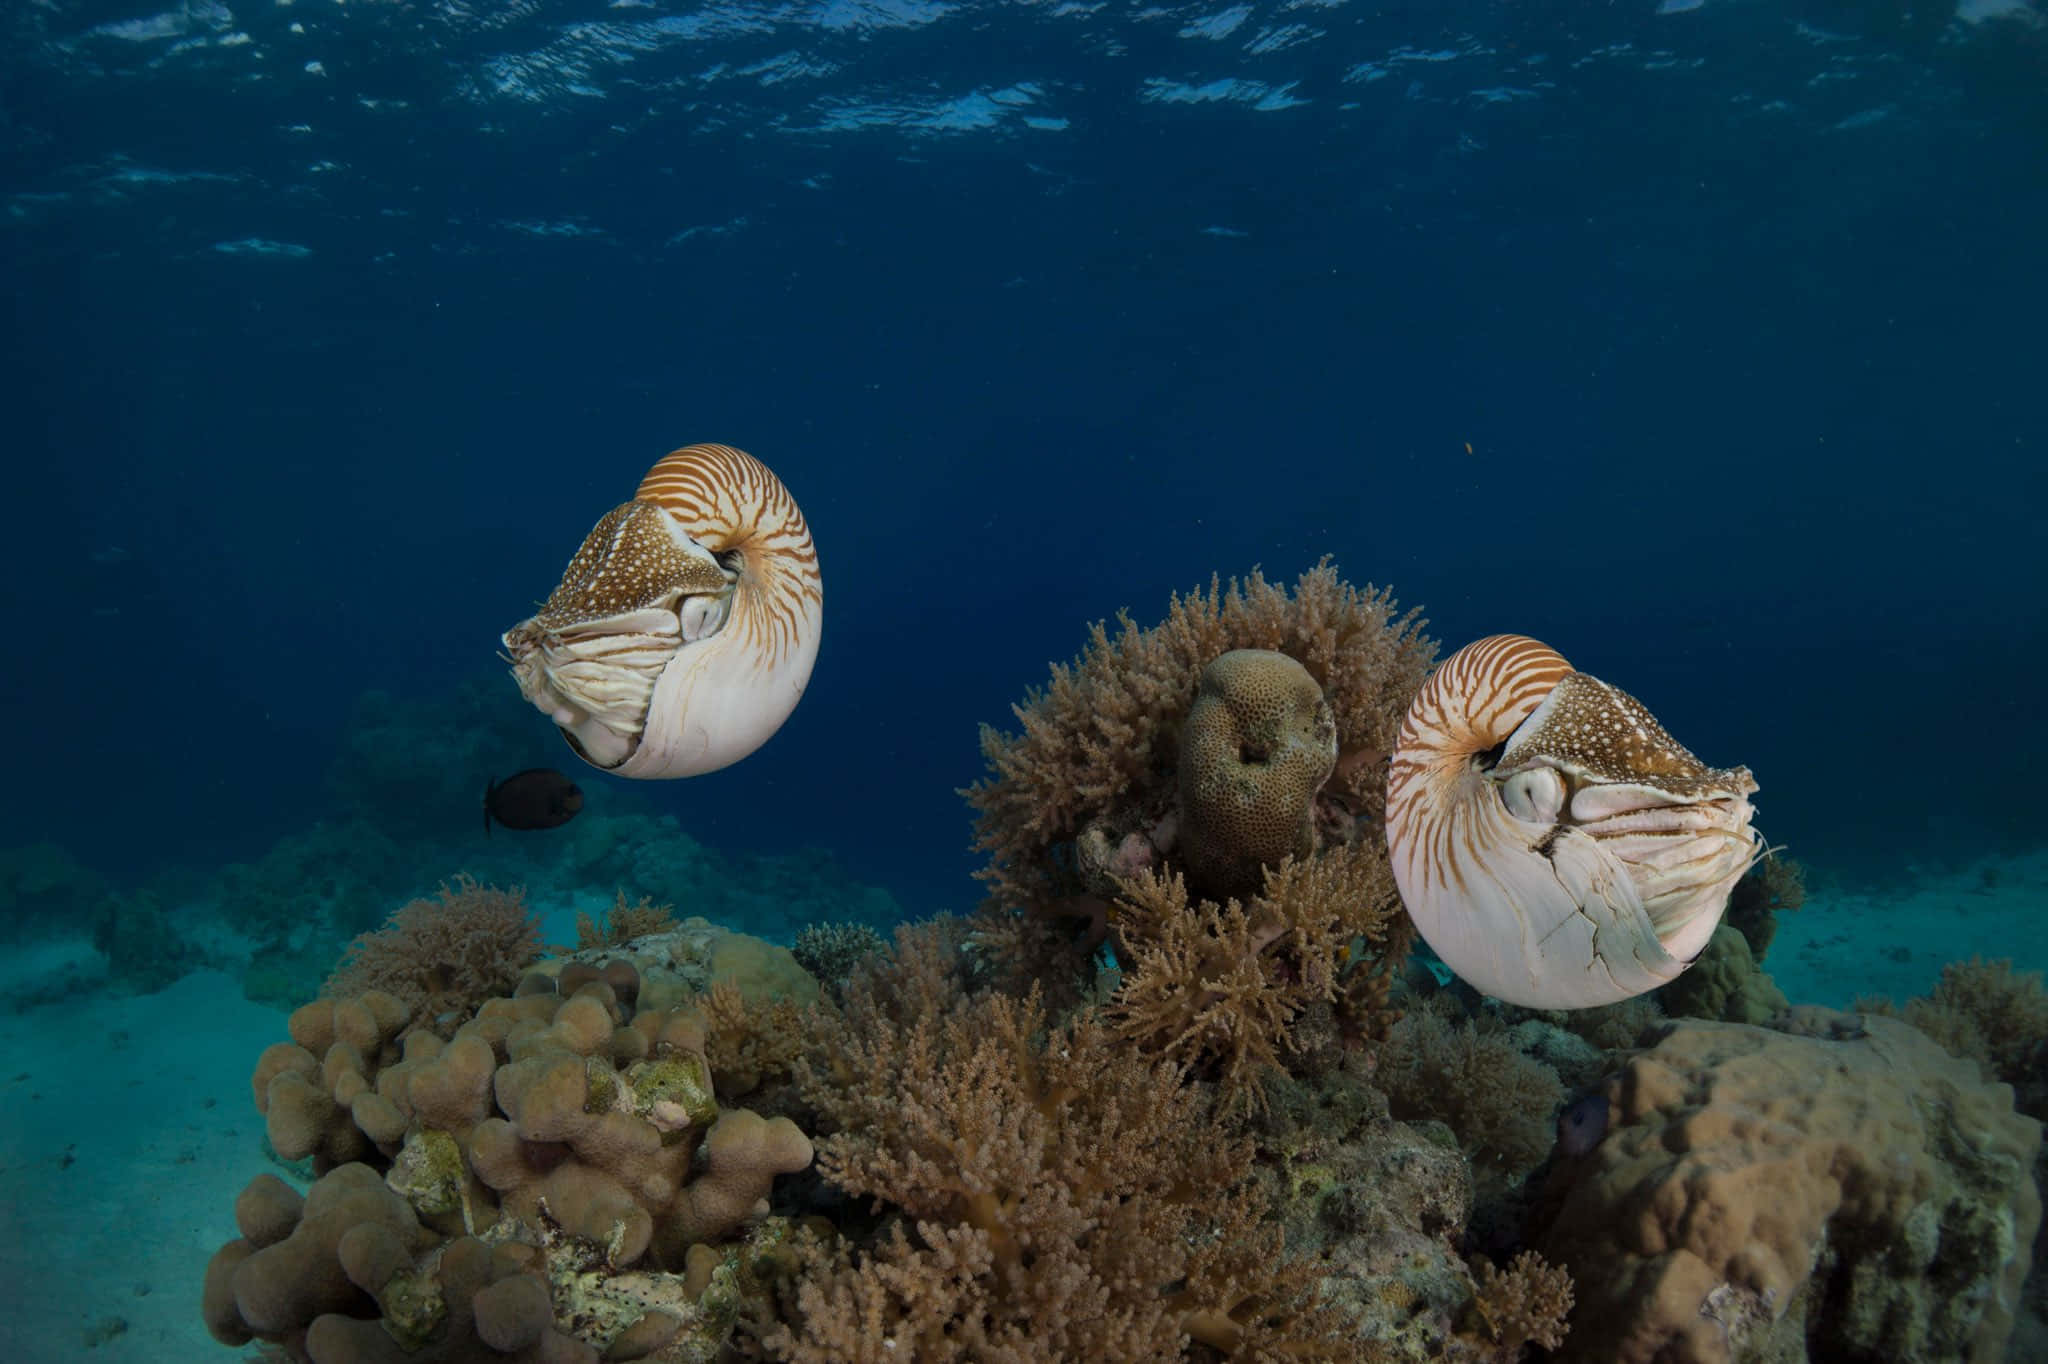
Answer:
(1258, 743)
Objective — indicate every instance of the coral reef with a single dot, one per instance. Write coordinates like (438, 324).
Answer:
(623, 922)
(1523, 1304)
(830, 951)
(1219, 988)
(681, 965)
(441, 958)
(1098, 755)
(1775, 885)
(1257, 745)
(1203, 797)
(1849, 1193)
(1470, 1076)
(1992, 1014)
(1051, 1195)
(142, 941)
(554, 1180)
(1725, 982)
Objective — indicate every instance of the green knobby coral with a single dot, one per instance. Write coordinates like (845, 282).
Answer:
(673, 1092)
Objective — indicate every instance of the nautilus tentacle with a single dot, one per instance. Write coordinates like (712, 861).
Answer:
(1553, 844)
(684, 630)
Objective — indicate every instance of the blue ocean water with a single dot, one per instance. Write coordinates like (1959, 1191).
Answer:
(1703, 341)
(334, 328)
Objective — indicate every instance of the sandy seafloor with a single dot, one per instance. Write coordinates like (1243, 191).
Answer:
(128, 1127)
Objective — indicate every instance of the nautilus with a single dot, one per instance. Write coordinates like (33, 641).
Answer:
(1553, 844)
(683, 632)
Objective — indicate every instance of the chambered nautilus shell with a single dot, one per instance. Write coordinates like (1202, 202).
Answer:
(684, 630)
(1552, 843)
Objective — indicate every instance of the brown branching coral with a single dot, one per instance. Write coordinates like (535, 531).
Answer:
(1524, 1304)
(747, 1043)
(623, 922)
(443, 957)
(1098, 750)
(1053, 1196)
(1217, 987)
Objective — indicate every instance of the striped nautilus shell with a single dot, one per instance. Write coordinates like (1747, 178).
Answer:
(1552, 843)
(684, 630)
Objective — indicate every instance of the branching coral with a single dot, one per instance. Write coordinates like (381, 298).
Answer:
(830, 951)
(1524, 1304)
(1055, 1196)
(1217, 987)
(748, 1043)
(441, 958)
(1204, 796)
(623, 922)
(1099, 744)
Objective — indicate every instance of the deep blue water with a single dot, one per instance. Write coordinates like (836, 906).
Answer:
(332, 330)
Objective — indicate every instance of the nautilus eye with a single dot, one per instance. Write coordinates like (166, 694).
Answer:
(683, 632)
(1553, 844)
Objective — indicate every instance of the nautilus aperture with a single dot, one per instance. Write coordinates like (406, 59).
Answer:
(683, 632)
(1553, 844)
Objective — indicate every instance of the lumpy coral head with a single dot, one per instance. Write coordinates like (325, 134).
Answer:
(1258, 743)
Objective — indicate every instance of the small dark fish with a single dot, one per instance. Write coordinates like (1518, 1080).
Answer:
(538, 798)
(1582, 1124)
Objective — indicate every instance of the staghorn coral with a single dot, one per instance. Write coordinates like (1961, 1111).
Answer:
(442, 958)
(1087, 791)
(1052, 1196)
(623, 922)
(1218, 987)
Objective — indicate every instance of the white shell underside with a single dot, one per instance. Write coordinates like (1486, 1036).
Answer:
(1552, 917)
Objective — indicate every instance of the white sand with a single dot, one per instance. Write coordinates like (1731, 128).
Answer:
(126, 1131)
(1895, 942)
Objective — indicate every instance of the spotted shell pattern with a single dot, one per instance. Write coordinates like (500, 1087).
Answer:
(1554, 845)
(684, 630)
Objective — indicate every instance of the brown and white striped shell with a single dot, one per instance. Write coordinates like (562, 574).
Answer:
(1553, 844)
(684, 630)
